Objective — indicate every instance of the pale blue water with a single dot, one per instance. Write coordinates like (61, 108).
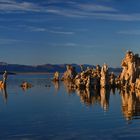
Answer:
(49, 111)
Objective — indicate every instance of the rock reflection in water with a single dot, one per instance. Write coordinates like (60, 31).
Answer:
(130, 100)
(91, 97)
(4, 94)
(69, 86)
(56, 85)
(105, 94)
(130, 104)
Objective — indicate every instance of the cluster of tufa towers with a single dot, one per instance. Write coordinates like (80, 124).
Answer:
(100, 77)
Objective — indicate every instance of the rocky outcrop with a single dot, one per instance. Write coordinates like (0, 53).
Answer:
(137, 84)
(101, 78)
(56, 76)
(104, 80)
(70, 73)
(129, 77)
(90, 77)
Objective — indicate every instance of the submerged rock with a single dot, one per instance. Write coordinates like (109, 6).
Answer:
(26, 85)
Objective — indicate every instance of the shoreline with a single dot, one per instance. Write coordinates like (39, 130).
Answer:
(26, 73)
(32, 73)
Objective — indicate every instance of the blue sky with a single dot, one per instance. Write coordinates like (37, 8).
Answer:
(68, 31)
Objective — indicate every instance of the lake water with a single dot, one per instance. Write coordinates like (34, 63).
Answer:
(52, 111)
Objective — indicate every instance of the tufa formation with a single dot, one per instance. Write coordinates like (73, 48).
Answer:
(100, 77)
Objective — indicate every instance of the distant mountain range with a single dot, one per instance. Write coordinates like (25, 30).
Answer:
(50, 68)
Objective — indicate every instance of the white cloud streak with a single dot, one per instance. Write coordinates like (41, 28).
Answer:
(36, 29)
(95, 7)
(70, 44)
(70, 9)
(129, 32)
(27, 28)
(12, 5)
(43, 29)
(96, 15)
(74, 45)
(8, 41)
(62, 32)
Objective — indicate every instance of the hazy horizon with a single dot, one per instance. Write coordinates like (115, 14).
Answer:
(68, 31)
(56, 64)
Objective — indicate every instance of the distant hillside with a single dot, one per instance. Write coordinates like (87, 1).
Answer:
(42, 68)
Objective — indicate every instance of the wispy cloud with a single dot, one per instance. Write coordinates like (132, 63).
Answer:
(36, 29)
(69, 8)
(61, 32)
(61, 1)
(129, 32)
(71, 44)
(43, 29)
(93, 11)
(7, 41)
(75, 45)
(66, 12)
(80, 9)
(12, 5)
(96, 8)
(118, 16)
(103, 15)
(65, 44)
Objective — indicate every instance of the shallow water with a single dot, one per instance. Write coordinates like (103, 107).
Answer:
(52, 111)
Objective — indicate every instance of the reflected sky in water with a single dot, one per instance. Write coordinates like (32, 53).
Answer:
(53, 111)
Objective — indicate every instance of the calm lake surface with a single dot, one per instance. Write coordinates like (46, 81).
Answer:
(52, 111)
